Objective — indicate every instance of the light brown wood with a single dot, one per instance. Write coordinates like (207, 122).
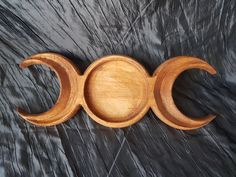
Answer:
(67, 103)
(164, 106)
(116, 91)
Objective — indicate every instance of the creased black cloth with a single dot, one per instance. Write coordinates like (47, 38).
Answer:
(149, 31)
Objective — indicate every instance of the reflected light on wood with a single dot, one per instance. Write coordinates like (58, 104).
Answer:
(116, 91)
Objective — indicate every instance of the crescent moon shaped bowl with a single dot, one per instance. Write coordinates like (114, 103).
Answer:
(116, 91)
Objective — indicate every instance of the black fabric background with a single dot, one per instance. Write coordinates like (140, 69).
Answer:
(149, 31)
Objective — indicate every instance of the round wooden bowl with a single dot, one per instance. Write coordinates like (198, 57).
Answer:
(116, 91)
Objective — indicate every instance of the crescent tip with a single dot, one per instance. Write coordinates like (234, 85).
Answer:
(21, 112)
(25, 115)
(212, 71)
(24, 64)
(28, 117)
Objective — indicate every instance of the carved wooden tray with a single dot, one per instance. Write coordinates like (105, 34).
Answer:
(116, 91)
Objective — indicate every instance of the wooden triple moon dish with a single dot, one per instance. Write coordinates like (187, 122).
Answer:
(116, 91)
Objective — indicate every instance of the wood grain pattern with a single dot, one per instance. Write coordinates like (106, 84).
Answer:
(66, 105)
(164, 105)
(149, 31)
(116, 91)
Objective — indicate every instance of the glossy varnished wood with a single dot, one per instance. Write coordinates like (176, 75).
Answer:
(116, 91)
(68, 102)
(163, 105)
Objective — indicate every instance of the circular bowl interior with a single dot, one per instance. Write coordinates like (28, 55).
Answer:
(116, 91)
